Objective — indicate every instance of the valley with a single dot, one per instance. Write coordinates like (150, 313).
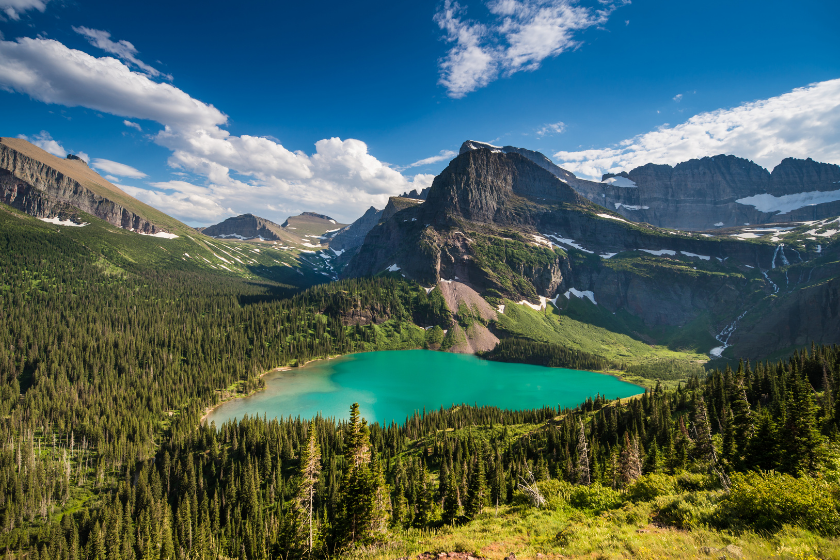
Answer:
(115, 340)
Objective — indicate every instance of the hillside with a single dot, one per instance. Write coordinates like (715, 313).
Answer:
(47, 186)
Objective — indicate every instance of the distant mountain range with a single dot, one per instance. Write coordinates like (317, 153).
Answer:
(703, 194)
(519, 247)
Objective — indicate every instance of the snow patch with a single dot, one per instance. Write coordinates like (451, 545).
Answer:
(534, 306)
(337, 253)
(607, 255)
(660, 252)
(580, 294)
(701, 257)
(748, 266)
(719, 224)
(622, 182)
(160, 234)
(612, 217)
(393, 268)
(819, 248)
(570, 242)
(786, 203)
(630, 206)
(67, 222)
(747, 235)
(501, 308)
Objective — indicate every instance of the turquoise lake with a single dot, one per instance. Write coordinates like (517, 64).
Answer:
(390, 386)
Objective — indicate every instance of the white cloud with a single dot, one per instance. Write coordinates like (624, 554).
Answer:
(802, 123)
(84, 157)
(522, 35)
(132, 125)
(444, 155)
(44, 141)
(116, 168)
(555, 128)
(183, 200)
(123, 49)
(14, 8)
(246, 172)
(48, 71)
(678, 97)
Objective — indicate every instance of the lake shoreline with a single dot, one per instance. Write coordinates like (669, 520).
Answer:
(392, 383)
(208, 410)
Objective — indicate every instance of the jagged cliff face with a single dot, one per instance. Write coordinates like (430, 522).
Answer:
(246, 226)
(45, 186)
(505, 226)
(352, 236)
(707, 193)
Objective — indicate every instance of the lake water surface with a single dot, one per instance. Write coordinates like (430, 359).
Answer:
(389, 386)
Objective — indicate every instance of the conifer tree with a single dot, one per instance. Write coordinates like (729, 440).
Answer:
(583, 456)
(450, 500)
(630, 463)
(302, 525)
(477, 493)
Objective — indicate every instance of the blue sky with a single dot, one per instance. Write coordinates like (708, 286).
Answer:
(280, 107)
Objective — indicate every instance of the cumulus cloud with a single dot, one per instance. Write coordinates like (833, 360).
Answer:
(14, 8)
(802, 123)
(522, 34)
(116, 168)
(44, 141)
(123, 49)
(678, 97)
(182, 200)
(555, 128)
(249, 173)
(442, 156)
(132, 125)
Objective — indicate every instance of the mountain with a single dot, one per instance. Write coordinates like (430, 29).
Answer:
(509, 229)
(703, 194)
(309, 230)
(352, 236)
(49, 187)
(246, 226)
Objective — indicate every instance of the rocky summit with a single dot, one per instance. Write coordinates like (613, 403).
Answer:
(707, 193)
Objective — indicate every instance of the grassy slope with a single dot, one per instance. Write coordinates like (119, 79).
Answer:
(119, 250)
(588, 327)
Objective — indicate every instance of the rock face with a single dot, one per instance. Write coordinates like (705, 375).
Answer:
(352, 236)
(246, 226)
(46, 186)
(703, 194)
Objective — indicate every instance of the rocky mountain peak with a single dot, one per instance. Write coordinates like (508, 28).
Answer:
(478, 184)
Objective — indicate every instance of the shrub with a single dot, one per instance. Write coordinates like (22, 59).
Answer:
(688, 511)
(694, 482)
(651, 486)
(769, 500)
(595, 497)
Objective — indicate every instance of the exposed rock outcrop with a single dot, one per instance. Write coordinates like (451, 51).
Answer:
(352, 236)
(46, 186)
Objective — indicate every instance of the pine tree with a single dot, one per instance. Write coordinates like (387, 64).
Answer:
(302, 523)
(357, 498)
(450, 500)
(802, 445)
(477, 493)
(630, 464)
(583, 456)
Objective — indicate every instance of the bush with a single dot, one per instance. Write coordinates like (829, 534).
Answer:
(651, 486)
(688, 511)
(694, 482)
(766, 501)
(556, 492)
(595, 497)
